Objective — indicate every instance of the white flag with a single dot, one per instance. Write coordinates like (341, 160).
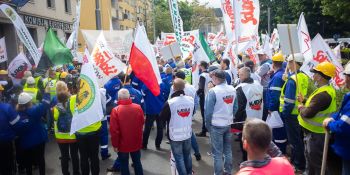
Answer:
(89, 107)
(17, 67)
(267, 46)
(198, 56)
(105, 64)
(72, 42)
(246, 22)
(275, 40)
(22, 32)
(3, 52)
(229, 19)
(322, 52)
(337, 53)
(304, 38)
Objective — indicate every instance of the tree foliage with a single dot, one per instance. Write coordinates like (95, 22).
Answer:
(327, 17)
(193, 16)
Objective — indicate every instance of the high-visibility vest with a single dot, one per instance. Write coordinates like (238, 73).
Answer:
(36, 82)
(223, 109)
(180, 125)
(314, 124)
(52, 84)
(188, 73)
(303, 85)
(32, 92)
(56, 113)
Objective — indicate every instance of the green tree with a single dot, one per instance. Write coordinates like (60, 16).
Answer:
(339, 9)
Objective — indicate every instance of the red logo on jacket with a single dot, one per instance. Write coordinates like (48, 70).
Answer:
(184, 112)
(228, 99)
(256, 104)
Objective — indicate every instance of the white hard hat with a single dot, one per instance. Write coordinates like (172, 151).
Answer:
(347, 69)
(261, 52)
(298, 57)
(27, 74)
(24, 98)
(30, 80)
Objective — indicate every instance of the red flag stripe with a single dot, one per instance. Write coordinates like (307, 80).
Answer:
(143, 70)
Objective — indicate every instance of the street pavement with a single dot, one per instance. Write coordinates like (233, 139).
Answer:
(154, 162)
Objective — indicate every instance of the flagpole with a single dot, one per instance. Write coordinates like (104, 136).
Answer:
(295, 67)
(126, 73)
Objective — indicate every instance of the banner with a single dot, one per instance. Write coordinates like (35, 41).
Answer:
(246, 22)
(322, 52)
(229, 19)
(17, 67)
(119, 41)
(304, 39)
(187, 43)
(176, 19)
(337, 53)
(22, 32)
(275, 40)
(210, 38)
(72, 42)
(89, 107)
(3, 52)
(105, 65)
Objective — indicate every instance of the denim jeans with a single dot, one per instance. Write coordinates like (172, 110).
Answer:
(194, 144)
(148, 126)
(124, 162)
(295, 138)
(182, 154)
(221, 141)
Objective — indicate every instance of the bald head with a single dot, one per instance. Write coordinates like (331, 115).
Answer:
(179, 84)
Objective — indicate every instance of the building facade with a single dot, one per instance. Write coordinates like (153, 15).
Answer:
(38, 16)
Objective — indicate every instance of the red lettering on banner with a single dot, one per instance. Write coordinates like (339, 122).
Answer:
(320, 56)
(251, 55)
(229, 11)
(337, 79)
(248, 12)
(306, 41)
(101, 60)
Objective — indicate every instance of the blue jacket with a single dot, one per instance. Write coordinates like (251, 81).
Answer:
(341, 129)
(8, 120)
(135, 82)
(289, 92)
(35, 132)
(166, 85)
(228, 78)
(274, 90)
(135, 95)
(172, 64)
(153, 104)
(112, 87)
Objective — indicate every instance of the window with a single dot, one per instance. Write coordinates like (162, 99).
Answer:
(67, 6)
(50, 3)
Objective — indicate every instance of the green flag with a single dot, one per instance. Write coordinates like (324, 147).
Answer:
(206, 48)
(57, 52)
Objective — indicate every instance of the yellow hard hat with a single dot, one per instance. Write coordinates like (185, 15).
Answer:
(326, 68)
(3, 72)
(278, 57)
(63, 75)
(1, 88)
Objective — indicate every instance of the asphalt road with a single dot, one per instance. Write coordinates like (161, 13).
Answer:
(154, 162)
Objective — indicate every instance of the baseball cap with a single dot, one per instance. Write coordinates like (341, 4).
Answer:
(212, 68)
(24, 98)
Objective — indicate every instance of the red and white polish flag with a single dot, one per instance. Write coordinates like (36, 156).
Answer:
(143, 61)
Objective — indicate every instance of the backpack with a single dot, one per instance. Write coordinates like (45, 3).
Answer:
(64, 119)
